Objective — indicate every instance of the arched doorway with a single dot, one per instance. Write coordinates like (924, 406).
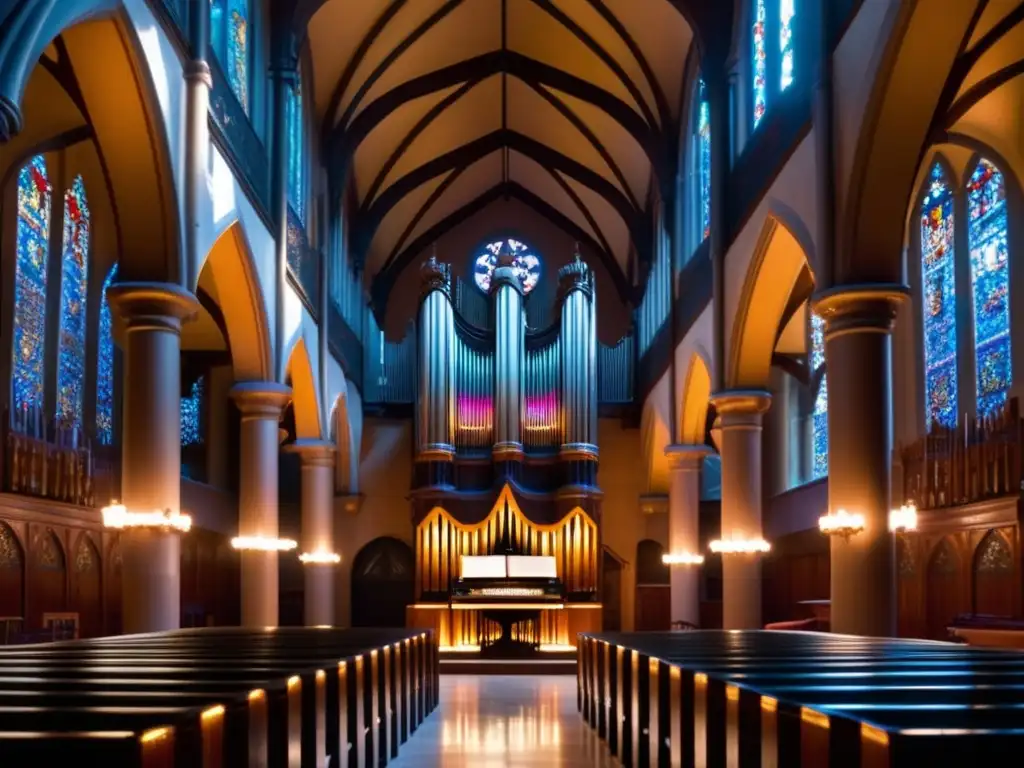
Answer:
(382, 583)
(86, 588)
(944, 589)
(653, 609)
(995, 576)
(49, 578)
(12, 582)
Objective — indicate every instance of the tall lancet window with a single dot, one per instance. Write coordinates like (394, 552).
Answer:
(704, 158)
(105, 367)
(760, 59)
(773, 51)
(191, 415)
(821, 399)
(787, 63)
(938, 280)
(990, 277)
(73, 297)
(296, 150)
(33, 243)
(231, 41)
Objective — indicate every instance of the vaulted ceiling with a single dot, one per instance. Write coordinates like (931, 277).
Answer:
(431, 108)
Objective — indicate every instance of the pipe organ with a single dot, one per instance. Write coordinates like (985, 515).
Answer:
(506, 459)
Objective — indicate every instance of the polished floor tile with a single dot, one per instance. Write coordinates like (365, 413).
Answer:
(492, 721)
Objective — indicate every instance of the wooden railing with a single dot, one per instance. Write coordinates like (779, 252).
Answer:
(978, 459)
(57, 463)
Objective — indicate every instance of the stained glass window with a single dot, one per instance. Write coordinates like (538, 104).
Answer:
(704, 155)
(217, 41)
(760, 62)
(787, 10)
(990, 278)
(191, 412)
(527, 264)
(30, 284)
(74, 291)
(296, 150)
(937, 271)
(105, 367)
(238, 50)
(821, 400)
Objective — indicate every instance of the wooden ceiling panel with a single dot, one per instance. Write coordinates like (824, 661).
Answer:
(614, 229)
(994, 12)
(532, 115)
(471, 184)
(385, 138)
(1007, 51)
(630, 155)
(543, 183)
(532, 32)
(334, 35)
(391, 229)
(477, 113)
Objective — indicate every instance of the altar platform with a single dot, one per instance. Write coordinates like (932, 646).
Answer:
(739, 698)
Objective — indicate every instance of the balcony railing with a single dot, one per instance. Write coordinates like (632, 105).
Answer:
(978, 459)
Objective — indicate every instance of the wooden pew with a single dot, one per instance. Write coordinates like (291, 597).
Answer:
(286, 697)
(775, 698)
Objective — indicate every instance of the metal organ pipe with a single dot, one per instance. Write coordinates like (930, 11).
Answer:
(579, 358)
(509, 332)
(436, 403)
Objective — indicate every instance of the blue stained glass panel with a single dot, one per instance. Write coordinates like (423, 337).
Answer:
(990, 278)
(105, 367)
(33, 243)
(73, 295)
(527, 264)
(296, 150)
(238, 50)
(217, 41)
(760, 60)
(704, 154)
(937, 266)
(191, 413)
(787, 10)
(821, 400)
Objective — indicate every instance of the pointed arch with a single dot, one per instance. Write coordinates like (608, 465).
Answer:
(777, 283)
(299, 372)
(346, 477)
(693, 414)
(229, 276)
(655, 437)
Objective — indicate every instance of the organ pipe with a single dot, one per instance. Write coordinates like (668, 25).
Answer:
(510, 337)
(578, 357)
(436, 412)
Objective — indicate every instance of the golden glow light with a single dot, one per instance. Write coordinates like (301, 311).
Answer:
(117, 516)
(263, 544)
(509, 592)
(213, 712)
(903, 519)
(841, 523)
(682, 558)
(739, 546)
(319, 558)
(154, 734)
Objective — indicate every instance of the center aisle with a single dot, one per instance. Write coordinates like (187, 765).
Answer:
(491, 721)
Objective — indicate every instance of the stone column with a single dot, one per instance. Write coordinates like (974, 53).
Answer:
(858, 352)
(740, 414)
(685, 463)
(261, 404)
(317, 529)
(151, 447)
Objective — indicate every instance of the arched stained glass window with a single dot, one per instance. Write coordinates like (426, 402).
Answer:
(191, 415)
(231, 39)
(296, 150)
(33, 243)
(990, 278)
(105, 367)
(74, 291)
(527, 264)
(821, 399)
(760, 60)
(704, 158)
(787, 10)
(938, 279)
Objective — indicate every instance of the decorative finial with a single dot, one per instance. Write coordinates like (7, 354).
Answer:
(576, 251)
(506, 258)
(435, 275)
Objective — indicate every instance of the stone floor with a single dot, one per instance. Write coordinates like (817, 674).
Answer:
(492, 721)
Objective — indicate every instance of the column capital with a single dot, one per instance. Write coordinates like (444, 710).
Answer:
(313, 453)
(864, 308)
(686, 458)
(747, 402)
(152, 306)
(261, 399)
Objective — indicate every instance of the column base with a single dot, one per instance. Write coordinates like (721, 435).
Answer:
(319, 595)
(151, 586)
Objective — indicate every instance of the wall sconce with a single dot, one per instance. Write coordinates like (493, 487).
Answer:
(682, 558)
(739, 546)
(263, 544)
(841, 523)
(117, 516)
(319, 558)
(903, 519)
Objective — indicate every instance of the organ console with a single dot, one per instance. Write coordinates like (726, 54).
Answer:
(507, 412)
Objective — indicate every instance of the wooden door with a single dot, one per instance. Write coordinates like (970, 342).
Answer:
(86, 586)
(995, 577)
(653, 608)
